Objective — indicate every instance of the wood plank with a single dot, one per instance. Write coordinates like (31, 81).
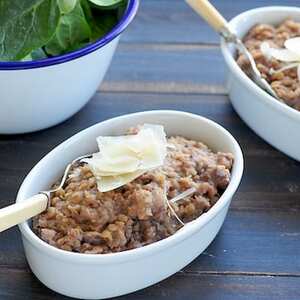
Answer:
(255, 255)
(215, 287)
(14, 167)
(21, 285)
(264, 242)
(107, 105)
(264, 214)
(11, 249)
(254, 241)
(166, 69)
(180, 24)
(16, 284)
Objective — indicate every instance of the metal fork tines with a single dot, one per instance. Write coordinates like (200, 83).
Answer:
(65, 176)
(249, 67)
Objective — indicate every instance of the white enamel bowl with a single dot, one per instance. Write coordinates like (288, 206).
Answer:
(38, 94)
(275, 122)
(92, 276)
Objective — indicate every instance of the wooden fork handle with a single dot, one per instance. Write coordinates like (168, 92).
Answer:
(209, 13)
(22, 211)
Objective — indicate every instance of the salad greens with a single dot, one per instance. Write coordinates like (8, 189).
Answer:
(35, 29)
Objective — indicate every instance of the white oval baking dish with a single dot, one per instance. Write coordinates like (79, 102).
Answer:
(95, 276)
(275, 122)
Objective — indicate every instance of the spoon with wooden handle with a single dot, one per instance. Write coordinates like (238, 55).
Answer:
(210, 14)
(22, 211)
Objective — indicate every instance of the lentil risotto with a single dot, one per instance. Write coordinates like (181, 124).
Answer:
(82, 219)
(285, 83)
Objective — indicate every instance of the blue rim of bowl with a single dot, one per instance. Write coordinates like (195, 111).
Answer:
(126, 19)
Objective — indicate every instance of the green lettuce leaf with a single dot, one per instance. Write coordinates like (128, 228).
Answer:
(35, 29)
(35, 54)
(72, 32)
(26, 25)
(106, 3)
(67, 6)
(101, 22)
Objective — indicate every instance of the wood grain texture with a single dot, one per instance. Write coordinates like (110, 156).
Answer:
(169, 59)
(264, 216)
(172, 21)
(166, 69)
(262, 242)
(21, 285)
(262, 161)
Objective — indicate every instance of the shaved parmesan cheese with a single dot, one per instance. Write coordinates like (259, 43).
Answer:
(158, 130)
(108, 183)
(123, 158)
(105, 166)
(293, 45)
(183, 195)
(290, 56)
(114, 147)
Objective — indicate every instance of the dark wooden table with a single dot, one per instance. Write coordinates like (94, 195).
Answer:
(170, 59)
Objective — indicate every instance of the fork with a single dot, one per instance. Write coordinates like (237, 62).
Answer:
(210, 14)
(22, 211)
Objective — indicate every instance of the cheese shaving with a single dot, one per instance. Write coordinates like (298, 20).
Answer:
(289, 56)
(183, 195)
(124, 158)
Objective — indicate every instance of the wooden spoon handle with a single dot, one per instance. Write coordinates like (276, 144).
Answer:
(22, 211)
(209, 13)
